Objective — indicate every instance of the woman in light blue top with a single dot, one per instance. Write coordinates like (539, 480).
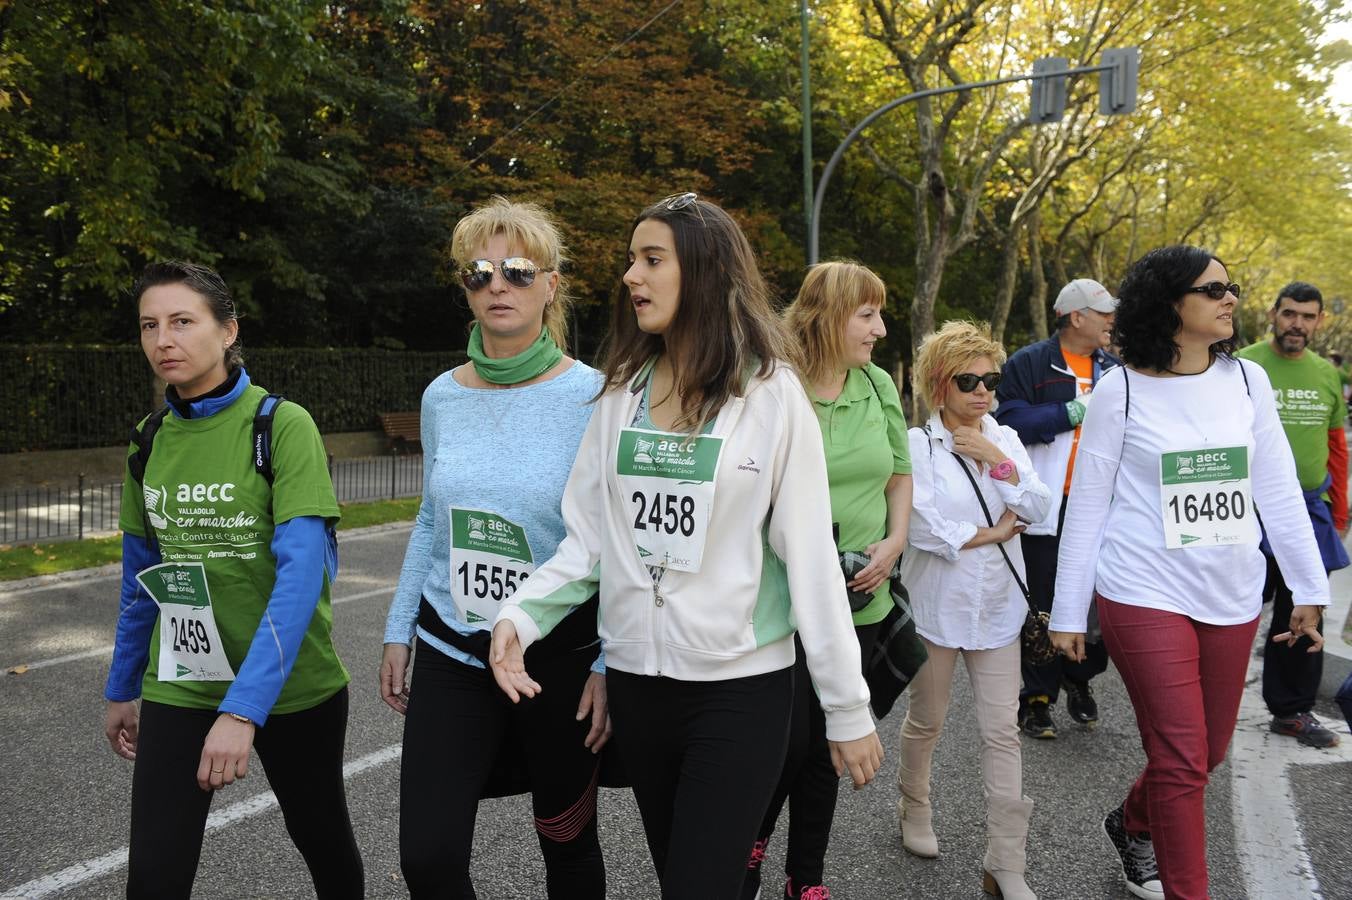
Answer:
(499, 436)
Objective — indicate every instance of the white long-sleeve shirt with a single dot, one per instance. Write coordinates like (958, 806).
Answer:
(966, 598)
(1113, 540)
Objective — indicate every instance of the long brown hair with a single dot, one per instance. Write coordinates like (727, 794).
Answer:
(725, 326)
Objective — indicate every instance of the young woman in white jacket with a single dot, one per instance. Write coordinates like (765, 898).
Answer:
(699, 502)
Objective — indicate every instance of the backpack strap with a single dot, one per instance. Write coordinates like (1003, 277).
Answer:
(262, 434)
(144, 439)
(1126, 410)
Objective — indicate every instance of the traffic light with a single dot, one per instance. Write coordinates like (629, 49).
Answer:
(1117, 84)
(1048, 95)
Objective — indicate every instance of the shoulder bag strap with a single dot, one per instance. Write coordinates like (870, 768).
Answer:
(1023, 589)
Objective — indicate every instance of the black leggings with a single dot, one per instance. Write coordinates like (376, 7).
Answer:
(704, 757)
(302, 756)
(809, 781)
(1291, 675)
(458, 726)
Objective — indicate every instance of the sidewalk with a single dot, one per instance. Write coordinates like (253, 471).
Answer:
(1337, 651)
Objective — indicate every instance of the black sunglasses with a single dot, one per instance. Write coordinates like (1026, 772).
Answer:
(516, 271)
(1216, 290)
(967, 382)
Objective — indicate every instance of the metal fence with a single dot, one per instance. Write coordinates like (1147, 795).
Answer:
(73, 511)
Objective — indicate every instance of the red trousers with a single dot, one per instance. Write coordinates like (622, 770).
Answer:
(1185, 679)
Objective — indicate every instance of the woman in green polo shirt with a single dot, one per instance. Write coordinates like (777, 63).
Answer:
(837, 319)
(223, 634)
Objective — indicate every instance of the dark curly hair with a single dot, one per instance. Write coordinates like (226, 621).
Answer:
(1147, 313)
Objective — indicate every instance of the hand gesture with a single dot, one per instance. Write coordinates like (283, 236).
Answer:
(508, 662)
(593, 703)
(1304, 623)
(971, 443)
(121, 725)
(1008, 526)
(1070, 643)
(225, 753)
(862, 758)
(883, 557)
(394, 677)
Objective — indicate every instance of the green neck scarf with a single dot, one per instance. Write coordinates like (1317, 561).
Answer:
(532, 362)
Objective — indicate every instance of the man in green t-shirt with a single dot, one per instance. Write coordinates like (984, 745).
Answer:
(1309, 397)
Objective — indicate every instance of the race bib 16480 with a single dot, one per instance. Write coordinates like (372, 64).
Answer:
(1206, 499)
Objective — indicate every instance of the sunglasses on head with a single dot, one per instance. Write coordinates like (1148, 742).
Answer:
(1216, 290)
(678, 202)
(516, 271)
(967, 382)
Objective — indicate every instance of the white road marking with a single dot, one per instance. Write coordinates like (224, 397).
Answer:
(105, 649)
(364, 594)
(73, 876)
(102, 650)
(7, 596)
(1268, 836)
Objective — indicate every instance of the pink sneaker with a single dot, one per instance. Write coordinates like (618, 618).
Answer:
(806, 891)
(752, 884)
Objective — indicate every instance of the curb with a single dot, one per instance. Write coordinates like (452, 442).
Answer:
(1337, 652)
(9, 589)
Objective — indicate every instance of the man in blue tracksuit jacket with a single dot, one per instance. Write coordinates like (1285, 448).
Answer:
(1043, 396)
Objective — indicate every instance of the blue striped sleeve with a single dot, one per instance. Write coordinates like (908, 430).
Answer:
(136, 617)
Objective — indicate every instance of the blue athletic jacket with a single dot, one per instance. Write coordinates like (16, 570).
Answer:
(1032, 400)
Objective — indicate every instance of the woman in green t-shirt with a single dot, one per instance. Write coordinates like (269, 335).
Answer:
(228, 554)
(837, 319)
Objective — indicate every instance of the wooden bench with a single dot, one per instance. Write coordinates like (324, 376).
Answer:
(404, 429)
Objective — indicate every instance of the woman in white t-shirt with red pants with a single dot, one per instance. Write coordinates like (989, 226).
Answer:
(1179, 448)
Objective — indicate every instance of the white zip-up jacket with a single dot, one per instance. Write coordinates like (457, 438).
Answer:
(769, 560)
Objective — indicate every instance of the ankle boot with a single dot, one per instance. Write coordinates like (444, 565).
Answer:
(1006, 839)
(913, 782)
(917, 832)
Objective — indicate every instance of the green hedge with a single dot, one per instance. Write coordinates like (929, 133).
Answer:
(58, 398)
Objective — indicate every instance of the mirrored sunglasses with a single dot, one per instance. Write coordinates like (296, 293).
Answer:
(967, 382)
(516, 271)
(1216, 290)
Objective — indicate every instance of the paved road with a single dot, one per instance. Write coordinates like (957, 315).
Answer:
(63, 794)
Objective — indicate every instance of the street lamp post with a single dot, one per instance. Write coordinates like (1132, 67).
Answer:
(1117, 91)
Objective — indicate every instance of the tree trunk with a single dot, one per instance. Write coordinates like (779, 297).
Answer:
(1006, 281)
(1037, 300)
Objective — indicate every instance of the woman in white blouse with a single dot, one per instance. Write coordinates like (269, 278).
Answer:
(974, 490)
(1177, 449)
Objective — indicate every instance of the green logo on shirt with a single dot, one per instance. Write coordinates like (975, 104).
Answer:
(1212, 464)
(693, 459)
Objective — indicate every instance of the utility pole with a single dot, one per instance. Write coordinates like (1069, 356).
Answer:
(806, 104)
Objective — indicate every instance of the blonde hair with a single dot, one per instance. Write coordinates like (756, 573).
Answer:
(831, 293)
(947, 352)
(532, 231)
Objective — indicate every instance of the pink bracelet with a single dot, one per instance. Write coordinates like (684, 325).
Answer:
(1002, 470)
